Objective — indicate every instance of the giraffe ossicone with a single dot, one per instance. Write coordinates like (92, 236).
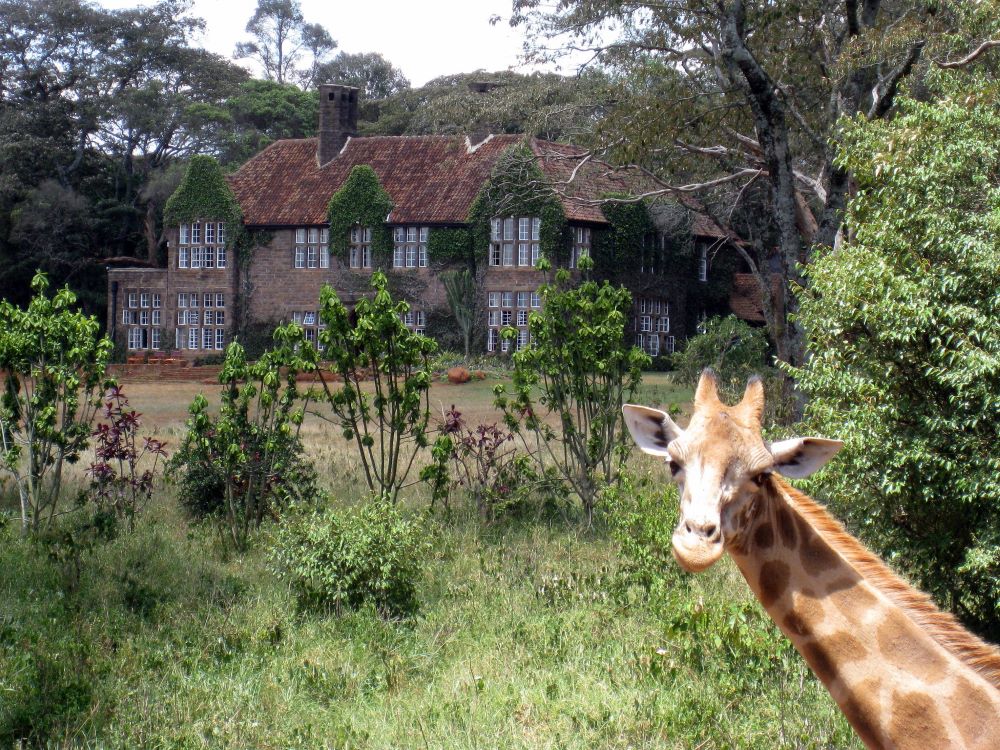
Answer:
(905, 674)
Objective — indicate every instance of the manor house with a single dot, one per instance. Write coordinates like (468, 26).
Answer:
(207, 293)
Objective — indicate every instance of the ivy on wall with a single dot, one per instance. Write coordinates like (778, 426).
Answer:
(205, 194)
(361, 201)
(448, 245)
(517, 187)
(621, 245)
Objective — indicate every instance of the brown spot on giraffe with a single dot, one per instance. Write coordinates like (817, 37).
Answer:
(900, 645)
(915, 722)
(774, 577)
(815, 553)
(851, 597)
(970, 708)
(786, 526)
(805, 610)
(763, 537)
(860, 707)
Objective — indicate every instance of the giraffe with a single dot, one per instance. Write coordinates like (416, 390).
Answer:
(905, 674)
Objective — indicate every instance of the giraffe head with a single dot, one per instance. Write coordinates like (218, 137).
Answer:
(720, 463)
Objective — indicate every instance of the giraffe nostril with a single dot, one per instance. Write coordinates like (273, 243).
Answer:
(711, 531)
(687, 527)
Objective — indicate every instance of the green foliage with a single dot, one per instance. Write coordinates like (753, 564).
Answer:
(620, 246)
(346, 559)
(362, 201)
(734, 349)
(448, 245)
(905, 346)
(387, 422)
(517, 187)
(262, 112)
(54, 365)
(578, 370)
(462, 293)
(247, 464)
(205, 194)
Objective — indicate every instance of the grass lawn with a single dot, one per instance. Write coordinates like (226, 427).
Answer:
(530, 634)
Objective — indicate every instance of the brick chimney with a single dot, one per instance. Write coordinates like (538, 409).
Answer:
(338, 119)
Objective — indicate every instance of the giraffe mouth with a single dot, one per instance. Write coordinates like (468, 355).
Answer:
(695, 553)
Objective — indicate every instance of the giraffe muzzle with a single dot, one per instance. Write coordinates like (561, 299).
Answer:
(697, 545)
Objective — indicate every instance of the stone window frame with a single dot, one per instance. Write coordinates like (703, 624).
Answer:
(510, 232)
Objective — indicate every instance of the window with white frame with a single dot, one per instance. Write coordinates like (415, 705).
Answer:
(311, 250)
(493, 299)
(522, 338)
(410, 247)
(654, 346)
(360, 247)
(201, 320)
(202, 244)
(703, 265)
(492, 339)
(663, 325)
(157, 301)
(132, 299)
(670, 344)
(536, 300)
(515, 241)
(157, 317)
(581, 246)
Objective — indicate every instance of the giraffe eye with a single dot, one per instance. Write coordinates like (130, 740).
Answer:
(758, 479)
(675, 468)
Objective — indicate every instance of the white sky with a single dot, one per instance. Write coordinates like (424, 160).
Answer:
(425, 39)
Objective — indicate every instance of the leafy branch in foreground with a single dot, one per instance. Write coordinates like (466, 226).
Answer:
(381, 402)
(54, 363)
(576, 372)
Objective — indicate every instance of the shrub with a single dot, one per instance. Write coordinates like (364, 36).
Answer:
(247, 463)
(577, 370)
(54, 363)
(345, 559)
(734, 349)
(117, 486)
(388, 424)
(485, 461)
(902, 326)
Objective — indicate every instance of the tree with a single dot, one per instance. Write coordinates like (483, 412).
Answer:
(902, 325)
(369, 71)
(281, 34)
(387, 421)
(729, 94)
(54, 364)
(577, 371)
(460, 288)
(732, 348)
(262, 112)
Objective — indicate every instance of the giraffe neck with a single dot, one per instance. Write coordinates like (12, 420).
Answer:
(898, 685)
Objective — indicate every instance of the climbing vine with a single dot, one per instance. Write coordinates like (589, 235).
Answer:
(517, 187)
(621, 245)
(247, 245)
(361, 201)
(205, 194)
(447, 245)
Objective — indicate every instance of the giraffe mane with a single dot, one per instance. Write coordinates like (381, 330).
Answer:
(943, 627)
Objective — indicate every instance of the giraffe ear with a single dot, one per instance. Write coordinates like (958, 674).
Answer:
(652, 429)
(800, 457)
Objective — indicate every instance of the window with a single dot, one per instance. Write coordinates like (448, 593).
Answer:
(154, 341)
(210, 233)
(522, 339)
(522, 317)
(182, 317)
(157, 302)
(361, 247)
(502, 244)
(581, 246)
(640, 341)
(192, 338)
(522, 299)
(300, 256)
(132, 299)
(195, 257)
(196, 233)
(208, 257)
(208, 318)
(207, 337)
(421, 318)
(703, 265)
(193, 299)
(492, 339)
(324, 256)
(208, 300)
(220, 317)
(193, 319)
(663, 325)
(654, 346)
(312, 256)
(144, 317)
(157, 320)
(494, 318)
(134, 338)
(408, 318)
(536, 300)
(220, 256)
(185, 234)
(505, 317)
(220, 338)
(220, 299)
(670, 344)
(182, 258)
(645, 323)
(505, 345)
(128, 317)
(144, 299)
(493, 299)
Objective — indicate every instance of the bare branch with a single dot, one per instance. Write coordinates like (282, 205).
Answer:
(989, 44)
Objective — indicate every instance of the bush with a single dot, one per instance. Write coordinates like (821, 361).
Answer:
(735, 350)
(247, 463)
(345, 559)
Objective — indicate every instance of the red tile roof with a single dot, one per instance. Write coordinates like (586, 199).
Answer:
(745, 298)
(430, 179)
